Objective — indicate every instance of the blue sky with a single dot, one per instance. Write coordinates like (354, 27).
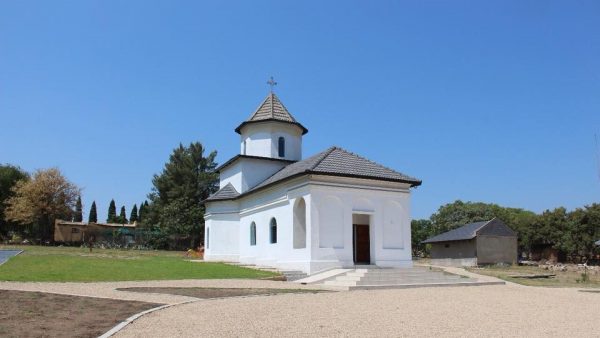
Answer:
(493, 101)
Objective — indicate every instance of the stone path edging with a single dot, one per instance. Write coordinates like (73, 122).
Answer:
(131, 319)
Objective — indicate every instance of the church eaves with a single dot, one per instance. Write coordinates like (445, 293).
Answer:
(334, 161)
(271, 109)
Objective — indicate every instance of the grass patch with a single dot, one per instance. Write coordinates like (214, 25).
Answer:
(562, 279)
(68, 264)
(36, 314)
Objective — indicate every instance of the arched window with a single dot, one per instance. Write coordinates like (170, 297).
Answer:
(244, 147)
(281, 147)
(273, 231)
(300, 224)
(253, 233)
(207, 237)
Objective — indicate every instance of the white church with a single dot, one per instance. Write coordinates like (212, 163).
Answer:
(334, 209)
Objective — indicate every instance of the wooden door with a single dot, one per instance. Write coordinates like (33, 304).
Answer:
(362, 244)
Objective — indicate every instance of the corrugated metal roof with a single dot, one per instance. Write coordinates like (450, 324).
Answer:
(271, 109)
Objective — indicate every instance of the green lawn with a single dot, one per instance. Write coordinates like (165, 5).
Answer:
(67, 264)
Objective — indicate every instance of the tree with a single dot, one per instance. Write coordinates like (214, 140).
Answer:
(134, 214)
(177, 194)
(420, 230)
(78, 215)
(458, 213)
(47, 196)
(141, 213)
(9, 176)
(112, 212)
(93, 218)
(122, 219)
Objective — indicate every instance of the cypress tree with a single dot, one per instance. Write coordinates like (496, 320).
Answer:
(134, 214)
(78, 216)
(112, 212)
(141, 213)
(123, 216)
(93, 218)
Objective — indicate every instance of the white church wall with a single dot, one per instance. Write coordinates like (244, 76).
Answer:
(221, 235)
(232, 174)
(256, 171)
(278, 204)
(332, 206)
(246, 173)
(388, 215)
(261, 139)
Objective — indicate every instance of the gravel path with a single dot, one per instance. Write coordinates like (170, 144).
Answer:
(108, 289)
(482, 311)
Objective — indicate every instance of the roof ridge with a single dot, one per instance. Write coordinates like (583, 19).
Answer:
(272, 108)
(374, 163)
(325, 154)
(484, 224)
(258, 108)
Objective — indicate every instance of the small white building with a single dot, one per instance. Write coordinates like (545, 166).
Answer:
(333, 209)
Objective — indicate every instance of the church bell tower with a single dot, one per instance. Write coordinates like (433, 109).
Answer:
(271, 131)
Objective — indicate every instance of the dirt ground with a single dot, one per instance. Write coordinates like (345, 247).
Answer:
(205, 293)
(37, 314)
(560, 278)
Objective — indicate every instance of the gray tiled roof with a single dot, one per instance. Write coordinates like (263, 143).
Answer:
(494, 227)
(336, 161)
(226, 193)
(465, 232)
(271, 109)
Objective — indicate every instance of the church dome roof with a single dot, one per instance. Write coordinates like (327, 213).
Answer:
(271, 109)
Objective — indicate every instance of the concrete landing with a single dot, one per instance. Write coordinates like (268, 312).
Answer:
(398, 278)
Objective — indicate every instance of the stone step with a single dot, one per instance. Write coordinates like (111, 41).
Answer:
(402, 282)
(293, 275)
(416, 285)
(380, 278)
(401, 277)
(340, 283)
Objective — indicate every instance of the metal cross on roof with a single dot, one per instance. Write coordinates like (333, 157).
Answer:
(272, 83)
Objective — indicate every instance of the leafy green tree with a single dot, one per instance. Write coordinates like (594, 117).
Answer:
(420, 230)
(93, 217)
(112, 212)
(177, 194)
(552, 228)
(78, 215)
(458, 213)
(122, 219)
(47, 196)
(134, 214)
(9, 176)
(583, 229)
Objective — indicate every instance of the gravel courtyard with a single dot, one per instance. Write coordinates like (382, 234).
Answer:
(484, 311)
